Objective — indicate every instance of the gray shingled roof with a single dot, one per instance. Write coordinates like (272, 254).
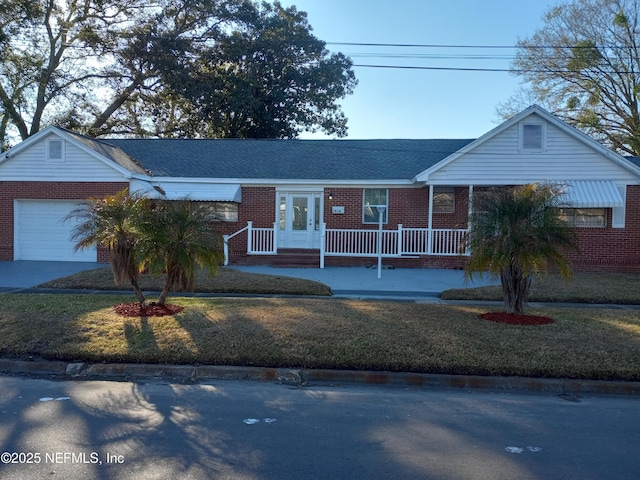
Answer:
(287, 159)
(109, 151)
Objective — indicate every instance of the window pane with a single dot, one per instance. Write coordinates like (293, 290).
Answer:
(223, 211)
(283, 212)
(443, 200)
(300, 213)
(316, 210)
(373, 198)
(584, 217)
(532, 137)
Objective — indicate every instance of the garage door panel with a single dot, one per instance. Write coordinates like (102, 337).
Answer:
(41, 233)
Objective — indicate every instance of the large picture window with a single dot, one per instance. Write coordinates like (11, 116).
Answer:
(372, 199)
(584, 217)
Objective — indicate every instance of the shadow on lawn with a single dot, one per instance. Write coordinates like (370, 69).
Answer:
(140, 337)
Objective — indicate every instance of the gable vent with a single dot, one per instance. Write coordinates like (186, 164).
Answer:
(54, 150)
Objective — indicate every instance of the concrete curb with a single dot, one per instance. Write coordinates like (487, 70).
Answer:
(304, 377)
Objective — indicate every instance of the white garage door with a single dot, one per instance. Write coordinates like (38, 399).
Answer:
(42, 234)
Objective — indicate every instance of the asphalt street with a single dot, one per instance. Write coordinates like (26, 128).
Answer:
(249, 430)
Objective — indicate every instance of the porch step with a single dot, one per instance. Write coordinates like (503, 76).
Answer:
(296, 258)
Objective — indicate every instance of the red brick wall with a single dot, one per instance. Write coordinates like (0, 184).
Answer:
(601, 249)
(258, 206)
(46, 191)
(611, 249)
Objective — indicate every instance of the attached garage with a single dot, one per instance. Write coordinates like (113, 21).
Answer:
(41, 233)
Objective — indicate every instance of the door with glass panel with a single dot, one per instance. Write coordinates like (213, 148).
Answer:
(300, 217)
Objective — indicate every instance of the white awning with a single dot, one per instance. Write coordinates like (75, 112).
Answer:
(207, 192)
(592, 194)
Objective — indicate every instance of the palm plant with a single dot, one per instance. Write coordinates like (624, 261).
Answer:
(113, 221)
(178, 237)
(516, 233)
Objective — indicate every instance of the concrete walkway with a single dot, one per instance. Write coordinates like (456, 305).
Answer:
(360, 281)
(343, 281)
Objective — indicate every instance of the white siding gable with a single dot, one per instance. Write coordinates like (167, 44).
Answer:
(501, 160)
(75, 165)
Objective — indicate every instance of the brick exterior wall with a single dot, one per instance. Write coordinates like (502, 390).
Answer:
(601, 249)
(611, 249)
(46, 191)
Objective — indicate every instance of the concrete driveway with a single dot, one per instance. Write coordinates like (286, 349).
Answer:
(24, 273)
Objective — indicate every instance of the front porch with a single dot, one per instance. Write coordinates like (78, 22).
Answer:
(401, 243)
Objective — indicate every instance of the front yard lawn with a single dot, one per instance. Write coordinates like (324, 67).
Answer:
(324, 333)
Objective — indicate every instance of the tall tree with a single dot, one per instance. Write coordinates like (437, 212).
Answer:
(516, 233)
(134, 67)
(271, 79)
(584, 66)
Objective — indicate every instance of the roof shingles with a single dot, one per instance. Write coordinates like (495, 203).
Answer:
(288, 159)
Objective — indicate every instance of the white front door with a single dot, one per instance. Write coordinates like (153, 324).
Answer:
(300, 217)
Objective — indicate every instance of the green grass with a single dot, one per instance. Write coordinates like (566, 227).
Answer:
(614, 288)
(228, 280)
(324, 333)
(327, 333)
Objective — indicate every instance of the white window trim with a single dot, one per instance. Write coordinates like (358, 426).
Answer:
(48, 152)
(543, 142)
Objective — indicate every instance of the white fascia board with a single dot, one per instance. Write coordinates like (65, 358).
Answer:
(324, 182)
(275, 182)
(52, 129)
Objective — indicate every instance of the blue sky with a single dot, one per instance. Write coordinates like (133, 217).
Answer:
(394, 103)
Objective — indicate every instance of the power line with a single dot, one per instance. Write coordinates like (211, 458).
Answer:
(422, 45)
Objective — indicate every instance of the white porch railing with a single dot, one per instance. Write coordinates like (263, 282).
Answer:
(362, 243)
(260, 241)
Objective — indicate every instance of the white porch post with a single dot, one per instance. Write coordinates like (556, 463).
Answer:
(430, 224)
(275, 237)
(249, 237)
(323, 238)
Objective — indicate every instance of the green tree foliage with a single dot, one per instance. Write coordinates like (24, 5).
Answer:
(178, 236)
(516, 233)
(584, 66)
(198, 68)
(271, 79)
(161, 236)
(114, 222)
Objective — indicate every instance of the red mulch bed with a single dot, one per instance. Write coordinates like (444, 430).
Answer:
(152, 310)
(515, 318)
